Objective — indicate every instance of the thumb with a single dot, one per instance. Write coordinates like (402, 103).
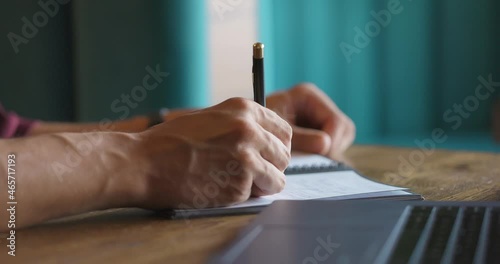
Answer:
(311, 140)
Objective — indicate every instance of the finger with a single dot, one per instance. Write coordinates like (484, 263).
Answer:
(313, 105)
(273, 150)
(311, 140)
(257, 192)
(251, 136)
(267, 179)
(266, 118)
(349, 135)
(344, 133)
(274, 124)
(337, 138)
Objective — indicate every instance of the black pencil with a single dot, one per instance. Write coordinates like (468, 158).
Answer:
(258, 74)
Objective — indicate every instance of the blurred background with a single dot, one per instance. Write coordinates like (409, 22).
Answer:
(399, 69)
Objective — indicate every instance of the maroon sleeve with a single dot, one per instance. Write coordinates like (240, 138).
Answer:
(11, 125)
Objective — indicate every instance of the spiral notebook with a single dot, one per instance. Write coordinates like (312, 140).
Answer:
(310, 177)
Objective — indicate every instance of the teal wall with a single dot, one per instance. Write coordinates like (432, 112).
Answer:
(399, 85)
(91, 52)
(117, 40)
(37, 81)
(396, 89)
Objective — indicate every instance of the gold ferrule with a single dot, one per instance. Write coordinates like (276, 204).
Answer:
(258, 50)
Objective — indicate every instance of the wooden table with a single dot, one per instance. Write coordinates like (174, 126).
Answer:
(138, 236)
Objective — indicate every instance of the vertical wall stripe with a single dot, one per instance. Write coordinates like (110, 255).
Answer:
(118, 40)
(409, 84)
(399, 85)
(266, 29)
(185, 52)
(288, 37)
(361, 86)
(322, 67)
(36, 82)
(469, 51)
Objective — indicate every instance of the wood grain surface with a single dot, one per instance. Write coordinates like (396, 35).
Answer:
(139, 236)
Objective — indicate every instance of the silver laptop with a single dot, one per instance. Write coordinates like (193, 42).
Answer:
(314, 232)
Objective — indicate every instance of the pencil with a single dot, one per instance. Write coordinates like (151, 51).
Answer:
(258, 74)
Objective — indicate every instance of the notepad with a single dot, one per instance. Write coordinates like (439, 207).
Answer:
(310, 177)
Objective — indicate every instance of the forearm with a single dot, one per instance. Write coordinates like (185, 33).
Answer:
(63, 174)
(135, 124)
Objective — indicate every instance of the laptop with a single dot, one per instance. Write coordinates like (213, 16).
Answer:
(318, 231)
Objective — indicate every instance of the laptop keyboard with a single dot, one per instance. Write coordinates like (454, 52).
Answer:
(448, 235)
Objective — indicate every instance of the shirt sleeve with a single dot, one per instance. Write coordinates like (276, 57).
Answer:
(12, 125)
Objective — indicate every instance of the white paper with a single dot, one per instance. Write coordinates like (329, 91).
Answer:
(319, 186)
(303, 159)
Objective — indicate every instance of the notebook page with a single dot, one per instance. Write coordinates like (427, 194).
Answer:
(320, 186)
(303, 159)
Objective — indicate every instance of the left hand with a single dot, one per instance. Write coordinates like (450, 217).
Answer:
(319, 126)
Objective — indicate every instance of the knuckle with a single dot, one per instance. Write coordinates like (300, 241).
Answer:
(281, 155)
(288, 157)
(283, 161)
(246, 158)
(278, 183)
(244, 128)
(280, 158)
(284, 131)
(282, 183)
(305, 87)
(288, 132)
(241, 103)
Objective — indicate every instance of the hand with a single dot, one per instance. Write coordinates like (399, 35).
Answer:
(216, 156)
(319, 126)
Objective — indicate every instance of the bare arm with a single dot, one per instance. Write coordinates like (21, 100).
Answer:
(135, 124)
(63, 174)
(163, 167)
(223, 154)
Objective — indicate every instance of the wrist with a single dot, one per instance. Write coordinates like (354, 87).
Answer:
(126, 170)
